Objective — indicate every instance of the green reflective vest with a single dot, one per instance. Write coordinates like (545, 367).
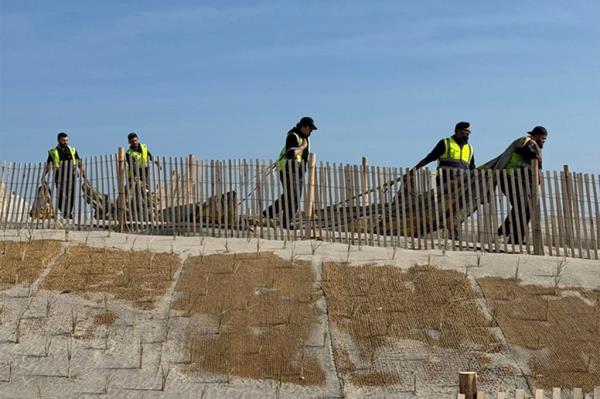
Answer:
(56, 157)
(455, 156)
(281, 161)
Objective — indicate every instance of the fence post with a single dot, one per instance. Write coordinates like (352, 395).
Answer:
(536, 224)
(310, 196)
(467, 382)
(365, 198)
(190, 160)
(365, 166)
(568, 210)
(121, 183)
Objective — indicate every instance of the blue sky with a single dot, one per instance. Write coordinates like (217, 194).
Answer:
(227, 79)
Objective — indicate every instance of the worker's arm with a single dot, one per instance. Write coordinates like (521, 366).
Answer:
(434, 155)
(80, 165)
(152, 159)
(46, 170)
(47, 166)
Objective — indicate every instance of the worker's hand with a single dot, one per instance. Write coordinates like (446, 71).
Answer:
(298, 150)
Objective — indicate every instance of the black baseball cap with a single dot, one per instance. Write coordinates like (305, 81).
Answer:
(541, 130)
(307, 121)
(462, 126)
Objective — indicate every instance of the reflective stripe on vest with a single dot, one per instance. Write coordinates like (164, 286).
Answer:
(281, 161)
(56, 157)
(455, 156)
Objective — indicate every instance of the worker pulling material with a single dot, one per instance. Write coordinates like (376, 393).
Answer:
(518, 155)
(452, 154)
(64, 159)
(138, 158)
(291, 174)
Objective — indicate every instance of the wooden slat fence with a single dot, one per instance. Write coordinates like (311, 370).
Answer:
(355, 204)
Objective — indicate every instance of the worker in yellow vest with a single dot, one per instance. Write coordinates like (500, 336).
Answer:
(64, 160)
(291, 174)
(453, 152)
(519, 155)
(138, 158)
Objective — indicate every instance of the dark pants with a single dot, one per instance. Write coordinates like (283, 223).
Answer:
(520, 220)
(65, 182)
(288, 203)
(139, 173)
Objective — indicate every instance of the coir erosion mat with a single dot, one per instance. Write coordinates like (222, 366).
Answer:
(250, 316)
(137, 276)
(558, 330)
(377, 306)
(22, 261)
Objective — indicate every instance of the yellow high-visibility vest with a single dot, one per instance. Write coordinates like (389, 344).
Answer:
(455, 156)
(517, 160)
(140, 159)
(281, 161)
(56, 157)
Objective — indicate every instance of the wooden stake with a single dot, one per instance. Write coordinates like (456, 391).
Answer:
(536, 226)
(567, 195)
(312, 160)
(121, 185)
(593, 235)
(556, 393)
(467, 382)
(365, 196)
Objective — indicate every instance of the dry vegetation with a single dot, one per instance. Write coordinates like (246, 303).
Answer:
(375, 304)
(22, 261)
(559, 327)
(106, 318)
(250, 316)
(137, 276)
